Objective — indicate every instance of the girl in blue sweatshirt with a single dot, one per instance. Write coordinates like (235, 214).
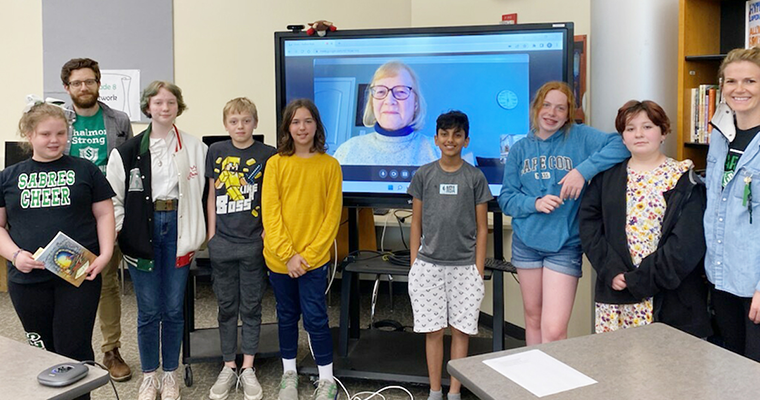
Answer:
(544, 176)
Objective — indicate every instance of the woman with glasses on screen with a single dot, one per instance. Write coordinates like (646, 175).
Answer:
(396, 109)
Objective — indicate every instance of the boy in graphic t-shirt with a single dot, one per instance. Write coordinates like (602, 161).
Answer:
(235, 170)
(448, 248)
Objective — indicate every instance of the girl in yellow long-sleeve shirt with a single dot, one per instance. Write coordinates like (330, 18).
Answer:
(301, 207)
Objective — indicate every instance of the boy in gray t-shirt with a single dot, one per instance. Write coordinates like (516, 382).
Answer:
(448, 248)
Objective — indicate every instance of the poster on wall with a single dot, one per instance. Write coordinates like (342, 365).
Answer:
(752, 25)
(579, 77)
(120, 90)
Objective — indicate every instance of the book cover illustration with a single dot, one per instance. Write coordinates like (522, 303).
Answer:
(752, 24)
(66, 258)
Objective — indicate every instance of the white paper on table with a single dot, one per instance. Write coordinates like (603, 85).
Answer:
(539, 373)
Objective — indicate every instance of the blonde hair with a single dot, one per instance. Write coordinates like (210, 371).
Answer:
(389, 69)
(538, 102)
(38, 113)
(240, 105)
(752, 55)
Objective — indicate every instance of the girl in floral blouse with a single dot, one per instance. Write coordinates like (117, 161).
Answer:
(641, 228)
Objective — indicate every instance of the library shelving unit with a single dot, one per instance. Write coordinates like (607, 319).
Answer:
(707, 30)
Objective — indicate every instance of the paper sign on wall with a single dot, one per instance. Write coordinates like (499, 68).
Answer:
(120, 90)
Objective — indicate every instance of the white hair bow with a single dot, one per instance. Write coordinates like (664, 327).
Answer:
(32, 100)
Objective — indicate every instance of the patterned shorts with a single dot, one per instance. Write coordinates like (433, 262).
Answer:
(443, 296)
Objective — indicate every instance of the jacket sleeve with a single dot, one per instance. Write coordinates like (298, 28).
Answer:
(127, 129)
(511, 198)
(116, 176)
(682, 251)
(607, 262)
(331, 222)
(277, 238)
(608, 150)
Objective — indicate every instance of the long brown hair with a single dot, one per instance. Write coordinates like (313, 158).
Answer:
(285, 145)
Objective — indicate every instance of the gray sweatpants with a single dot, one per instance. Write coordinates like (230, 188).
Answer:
(239, 280)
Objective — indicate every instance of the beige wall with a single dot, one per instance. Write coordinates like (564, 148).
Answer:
(20, 62)
(480, 12)
(229, 52)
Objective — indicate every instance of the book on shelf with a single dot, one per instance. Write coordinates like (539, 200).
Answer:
(66, 258)
(752, 24)
(703, 102)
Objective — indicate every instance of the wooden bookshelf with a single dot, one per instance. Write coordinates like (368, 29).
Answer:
(707, 30)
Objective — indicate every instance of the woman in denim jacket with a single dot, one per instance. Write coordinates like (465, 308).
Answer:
(732, 218)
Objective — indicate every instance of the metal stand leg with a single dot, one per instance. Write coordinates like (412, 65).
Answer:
(498, 284)
(375, 293)
(390, 289)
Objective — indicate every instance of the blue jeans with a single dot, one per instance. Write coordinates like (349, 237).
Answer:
(160, 296)
(568, 260)
(306, 295)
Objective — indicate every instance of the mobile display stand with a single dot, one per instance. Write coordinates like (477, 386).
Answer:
(399, 356)
(203, 345)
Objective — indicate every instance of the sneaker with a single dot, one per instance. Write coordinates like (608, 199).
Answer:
(149, 387)
(224, 382)
(326, 390)
(289, 386)
(117, 368)
(170, 387)
(251, 387)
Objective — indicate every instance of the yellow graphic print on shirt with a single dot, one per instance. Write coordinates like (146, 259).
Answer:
(239, 184)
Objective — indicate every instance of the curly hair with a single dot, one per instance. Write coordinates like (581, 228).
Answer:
(79, 63)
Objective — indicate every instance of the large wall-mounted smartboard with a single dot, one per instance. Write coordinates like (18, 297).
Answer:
(123, 36)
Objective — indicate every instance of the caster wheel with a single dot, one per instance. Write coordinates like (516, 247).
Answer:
(188, 376)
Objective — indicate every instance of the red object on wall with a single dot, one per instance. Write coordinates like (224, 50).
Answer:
(509, 19)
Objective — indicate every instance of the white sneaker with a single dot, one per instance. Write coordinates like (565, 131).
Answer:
(251, 387)
(170, 387)
(149, 387)
(289, 386)
(224, 382)
(326, 390)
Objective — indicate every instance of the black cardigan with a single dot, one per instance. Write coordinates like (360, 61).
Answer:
(673, 274)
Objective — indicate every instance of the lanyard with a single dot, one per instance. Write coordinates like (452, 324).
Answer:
(747, 197)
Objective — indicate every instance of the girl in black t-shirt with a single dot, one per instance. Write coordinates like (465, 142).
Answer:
(48, 193)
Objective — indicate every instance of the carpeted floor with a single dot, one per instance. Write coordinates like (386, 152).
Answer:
(204, 374)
